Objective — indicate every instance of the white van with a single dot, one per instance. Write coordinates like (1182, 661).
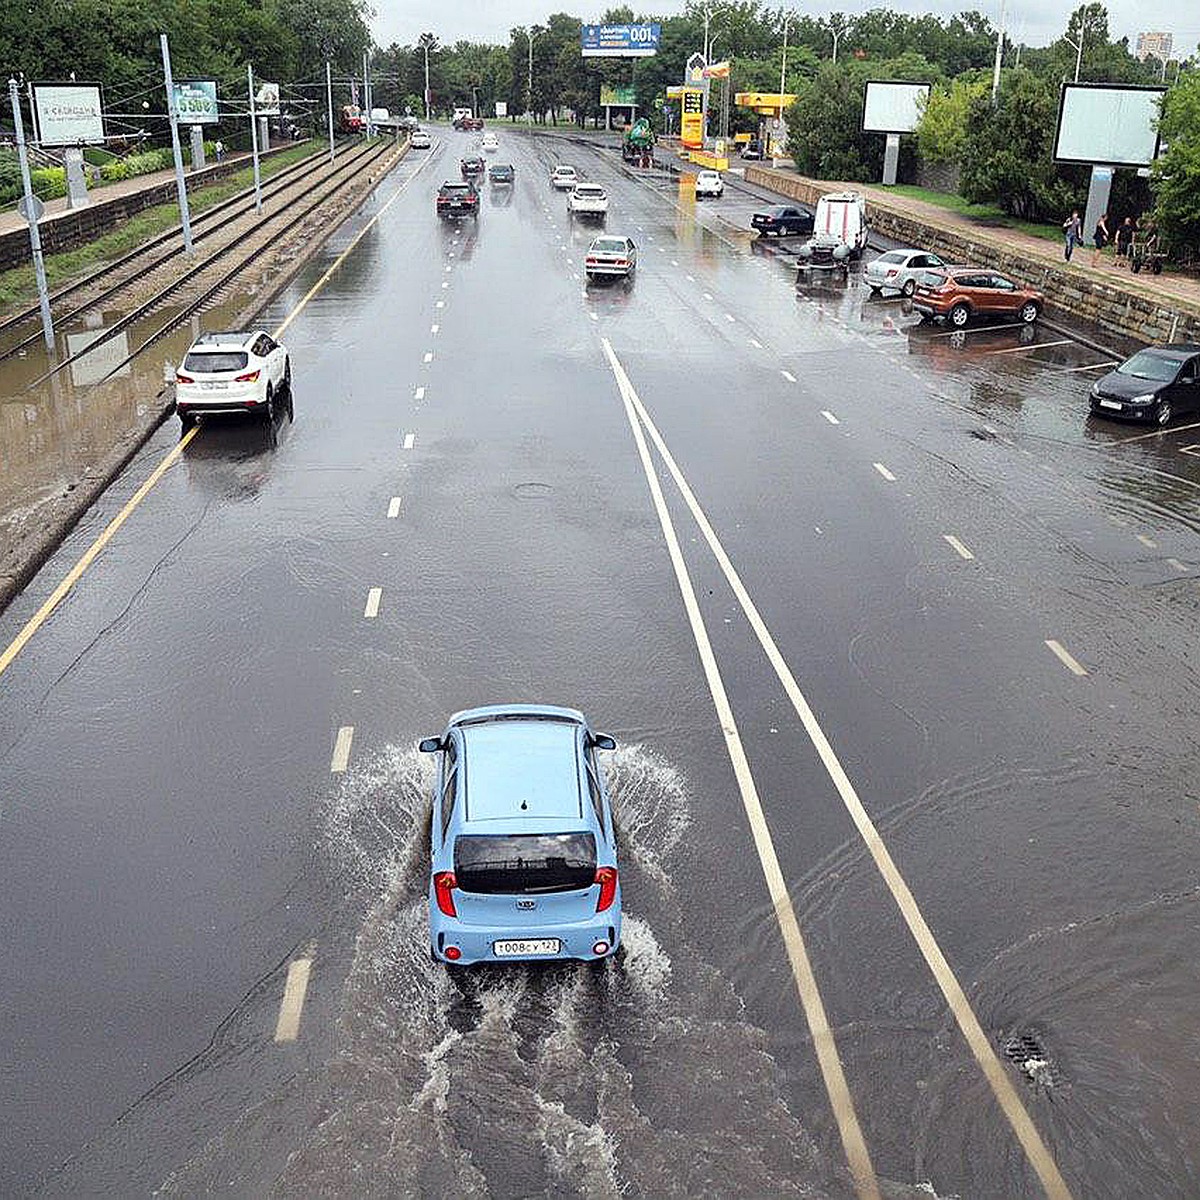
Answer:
(840, 231)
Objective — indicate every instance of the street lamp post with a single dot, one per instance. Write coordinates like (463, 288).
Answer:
(425, 47)
(1083, 31)
(999, 55)
(530, 33)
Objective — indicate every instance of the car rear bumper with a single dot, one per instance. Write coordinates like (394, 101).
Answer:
(929, 310)
(608, 269)
(589, 210)
(476, 942)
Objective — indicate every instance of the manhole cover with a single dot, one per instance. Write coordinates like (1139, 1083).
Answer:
(532, 491)
(1026, 1052)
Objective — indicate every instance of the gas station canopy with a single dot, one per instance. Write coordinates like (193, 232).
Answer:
(769, 104)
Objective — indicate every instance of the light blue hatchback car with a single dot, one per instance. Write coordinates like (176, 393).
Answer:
(524, 853)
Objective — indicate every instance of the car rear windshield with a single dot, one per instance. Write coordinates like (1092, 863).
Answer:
(589, 191)
(609, 246)
(1145, 364)
(932, 279)
(892, 256)
(522, 863)
(211, 362)
(456, 189)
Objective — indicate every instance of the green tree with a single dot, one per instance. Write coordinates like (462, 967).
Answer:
(942, 132)
(1176, 174)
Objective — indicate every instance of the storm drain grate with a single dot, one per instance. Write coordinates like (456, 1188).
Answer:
(1026, 1052)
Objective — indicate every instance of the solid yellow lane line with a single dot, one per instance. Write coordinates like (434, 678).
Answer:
(853, 1142)
(56, 597)
(1036, 1150)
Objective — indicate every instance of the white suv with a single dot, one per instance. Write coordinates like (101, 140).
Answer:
(709, 183)
(587, 200)
(564, 177)
(247, 373)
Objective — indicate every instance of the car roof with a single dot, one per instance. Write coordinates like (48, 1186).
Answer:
(213, 340)
(1182, 349)
(524, 767)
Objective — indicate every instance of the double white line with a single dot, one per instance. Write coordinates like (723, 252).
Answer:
(853, 1142)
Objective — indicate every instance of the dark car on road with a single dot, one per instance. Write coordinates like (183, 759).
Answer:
(502, 173)
(957, 294)
(782, 219)
(1153, 385)
(472, 167)
(457, 200)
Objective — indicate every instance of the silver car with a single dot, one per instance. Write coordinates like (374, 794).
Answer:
(899, 270)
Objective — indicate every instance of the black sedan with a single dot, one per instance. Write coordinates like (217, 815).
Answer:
(472, 167)
(502, 173)
(1153, 385)
(782, 219)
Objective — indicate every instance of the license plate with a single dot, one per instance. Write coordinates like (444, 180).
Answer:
(1112, 404)
(520, 947)
(214, 385)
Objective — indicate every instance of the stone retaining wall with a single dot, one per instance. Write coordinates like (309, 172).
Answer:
(1122, 310)
(66, 230)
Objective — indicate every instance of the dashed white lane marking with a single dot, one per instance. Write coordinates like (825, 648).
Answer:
(674, 261)
(707, 296)
(824, 1042)
(419, 394)
(409, 440)
(593, 316)
(445, 283)
(1176, 565)
(690, 278)
(428, 356)
(981, 1045)
(288, 1026)
(448, 270)
(884, 472)
(373, 598)
(830, 417)
(756, 343)
(440, 304)
(341, 749)
(788, 376)
(1072, 664)
(959, 548)
(1148, 542)
(394, 508)
(730, 316)
(435, 328)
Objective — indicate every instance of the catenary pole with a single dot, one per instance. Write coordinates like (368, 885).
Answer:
(35, 236)
(173, 115)
(329, 105)
(254, 141)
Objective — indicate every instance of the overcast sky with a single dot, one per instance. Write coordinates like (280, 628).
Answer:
(1034, 22)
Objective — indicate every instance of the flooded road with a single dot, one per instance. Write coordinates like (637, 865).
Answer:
(908, 538)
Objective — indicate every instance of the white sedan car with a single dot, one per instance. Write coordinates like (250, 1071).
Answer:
(490, 143)
(420, 140)
(249, 374)
(899, 269)
(587, 200)
(564, 177)
(610, 256)
(709, 183)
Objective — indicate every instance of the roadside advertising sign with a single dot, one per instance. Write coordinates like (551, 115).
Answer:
(502, 108)
(619, 41)
(622, 94)
(68, 114)
(694, 71)
(266, 100)
(196, 101)
(691, 125)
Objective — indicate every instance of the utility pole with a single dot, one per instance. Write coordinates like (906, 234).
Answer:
(329, 105)
(173, 116)
(999, 56)
(426, 49)
(32, 215)
(531, 33)
(787, 16)
(254, 140)
(367, 92)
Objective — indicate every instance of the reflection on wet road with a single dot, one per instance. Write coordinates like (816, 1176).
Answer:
(209, 776)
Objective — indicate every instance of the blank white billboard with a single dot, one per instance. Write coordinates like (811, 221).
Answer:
(68, 114)
(1107, 124)
(892, 107)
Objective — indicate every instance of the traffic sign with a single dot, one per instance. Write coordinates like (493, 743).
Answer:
(31, 208)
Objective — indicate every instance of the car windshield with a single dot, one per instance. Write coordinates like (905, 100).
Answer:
(525, 862)
(210, 362)
(1145, 364)
(609, 246)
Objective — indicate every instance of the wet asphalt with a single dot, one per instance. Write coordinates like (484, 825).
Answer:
(173, 836)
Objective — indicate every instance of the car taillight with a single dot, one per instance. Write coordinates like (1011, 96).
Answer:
(249, 377)
(180, 377)
(444, 884)
(892, 274)
(622, 262)
(606, 877)
(590, 261)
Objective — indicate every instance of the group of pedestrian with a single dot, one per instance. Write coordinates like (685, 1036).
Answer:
(1130, 229)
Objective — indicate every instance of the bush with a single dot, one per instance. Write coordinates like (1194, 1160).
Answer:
(49, 182)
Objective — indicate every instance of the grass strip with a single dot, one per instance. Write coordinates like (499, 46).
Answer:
(989, 215)
(18, 286)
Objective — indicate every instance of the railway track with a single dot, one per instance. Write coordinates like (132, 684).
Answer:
(132, 267)
(285, 217)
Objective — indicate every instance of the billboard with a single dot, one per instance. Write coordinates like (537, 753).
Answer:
(502, 108)
(196, 101)
(893, 107)
(68, 114)
(266, 100)
(1107, 124)
(623, 94)
(691, 120)
(619, 41)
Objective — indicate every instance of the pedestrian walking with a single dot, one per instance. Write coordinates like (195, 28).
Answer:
(1124, 239)
(1100, 238)
(1073, 230)
(220, 150)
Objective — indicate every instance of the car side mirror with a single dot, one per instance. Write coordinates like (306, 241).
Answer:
(602, 741)
(429, 745)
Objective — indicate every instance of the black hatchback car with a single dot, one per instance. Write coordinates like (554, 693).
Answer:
(782, 219)
(1153, 385)
(472, 167)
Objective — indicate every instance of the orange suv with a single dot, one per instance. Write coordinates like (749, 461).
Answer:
(959, 293)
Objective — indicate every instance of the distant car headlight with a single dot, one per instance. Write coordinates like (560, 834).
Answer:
(1148, 398)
